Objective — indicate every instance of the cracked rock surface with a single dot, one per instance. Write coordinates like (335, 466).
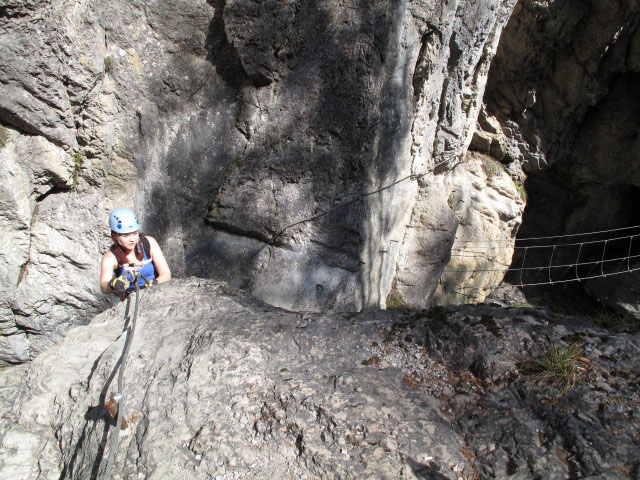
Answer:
(219, 385)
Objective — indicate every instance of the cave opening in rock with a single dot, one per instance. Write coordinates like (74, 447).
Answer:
(552, 259)
(582, 174)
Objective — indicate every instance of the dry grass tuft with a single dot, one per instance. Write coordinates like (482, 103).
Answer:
(560, 368)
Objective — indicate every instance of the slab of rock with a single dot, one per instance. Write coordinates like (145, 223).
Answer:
(218, 385)
(516, 425)
(488, 207)
(44, 257)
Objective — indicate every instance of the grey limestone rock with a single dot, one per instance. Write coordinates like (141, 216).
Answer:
(520, 427)
(219, 385)
(221, 123)
(488, 207)
(84, 93)
(25, 185)
(558, 108)
(559, 112)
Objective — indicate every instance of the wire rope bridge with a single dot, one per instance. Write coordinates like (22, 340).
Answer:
(561, 258)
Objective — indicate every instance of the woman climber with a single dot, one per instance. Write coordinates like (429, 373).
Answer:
(131, 253)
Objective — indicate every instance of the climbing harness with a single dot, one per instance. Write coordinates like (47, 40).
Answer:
(133, 272)
(119, 399)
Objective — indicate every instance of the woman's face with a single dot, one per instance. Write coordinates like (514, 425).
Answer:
(127, 240)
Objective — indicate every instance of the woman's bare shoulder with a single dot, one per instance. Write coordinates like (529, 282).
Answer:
(152, 241)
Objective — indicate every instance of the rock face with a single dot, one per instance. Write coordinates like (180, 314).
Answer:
(385, 100)
(43, 263)
(218, 385)
(488, 207)
(81, 89)
(333, 156)
(314, 153)
(222, 123)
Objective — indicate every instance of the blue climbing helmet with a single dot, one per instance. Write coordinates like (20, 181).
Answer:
(123, 220)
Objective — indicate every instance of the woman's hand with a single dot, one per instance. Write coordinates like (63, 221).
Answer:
(120, 284)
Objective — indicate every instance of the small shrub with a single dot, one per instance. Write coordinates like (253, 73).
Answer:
(559, 368)
(522, 191)
(78, 160)
(395, 301)
(108, 63)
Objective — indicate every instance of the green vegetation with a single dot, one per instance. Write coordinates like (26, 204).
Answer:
(4, 136)
(78, 160)
(519, 305)
(395, 301)
(522, 191)
(107, 64)
(560, 368)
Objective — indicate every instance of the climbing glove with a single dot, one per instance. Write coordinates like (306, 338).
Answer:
(120, 284)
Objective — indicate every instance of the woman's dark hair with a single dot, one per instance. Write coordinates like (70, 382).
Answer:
(119, 253)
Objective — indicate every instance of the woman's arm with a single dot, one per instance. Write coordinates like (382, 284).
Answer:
(107, 267)
(162, 267)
